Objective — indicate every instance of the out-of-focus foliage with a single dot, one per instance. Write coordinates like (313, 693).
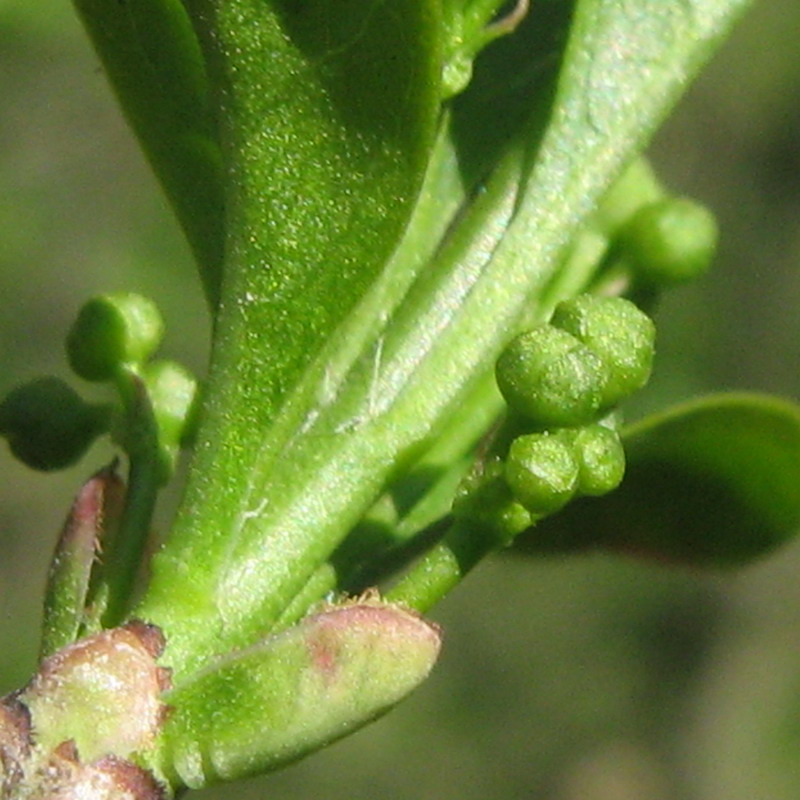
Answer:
(590, 678)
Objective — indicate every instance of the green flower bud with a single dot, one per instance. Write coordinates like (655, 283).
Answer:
(48, 425)
(621, 335)
(671, 241)
(542, 471)
(173, 393)
(550, 378)
(111, 331)
(601, 459)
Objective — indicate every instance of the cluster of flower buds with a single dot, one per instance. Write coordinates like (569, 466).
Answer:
(594, 352)
(561, 381)
(113, 339)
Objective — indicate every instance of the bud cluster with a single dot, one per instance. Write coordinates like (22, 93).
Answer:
(112, 340)
(561, 381)
(667, 242)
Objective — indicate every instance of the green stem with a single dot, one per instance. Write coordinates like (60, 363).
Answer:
(113, 588)
(125, 559)
(443, 567)
(384, 540)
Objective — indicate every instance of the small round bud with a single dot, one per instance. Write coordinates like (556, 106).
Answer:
(173, 393)
(542, 472)
(601, 458)
(671, 241)
(550, 378)
(111, 331)
(48, 425)
(621, 335)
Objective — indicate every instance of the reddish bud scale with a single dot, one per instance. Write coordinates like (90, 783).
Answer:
(108, 778)
(102, 692)
(15, 744)
(93, 704)
(92, 519)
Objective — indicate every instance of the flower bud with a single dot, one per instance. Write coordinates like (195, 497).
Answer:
(619, 334)
(112, 331)
(635, 188)
(601, 459)
(173, 393)
(542, 471)
(48, 425)
(670, 241)
(550, 378)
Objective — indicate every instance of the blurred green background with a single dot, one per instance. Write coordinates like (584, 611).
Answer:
(591, 678)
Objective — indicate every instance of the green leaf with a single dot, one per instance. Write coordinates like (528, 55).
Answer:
(153, 61)
(293, 693)
(325, 141)
(712, 482)
(273, 492)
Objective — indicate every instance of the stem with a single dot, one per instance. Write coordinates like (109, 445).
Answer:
(444, 566)
(113, 588)
(379, 545)
(124, 560)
